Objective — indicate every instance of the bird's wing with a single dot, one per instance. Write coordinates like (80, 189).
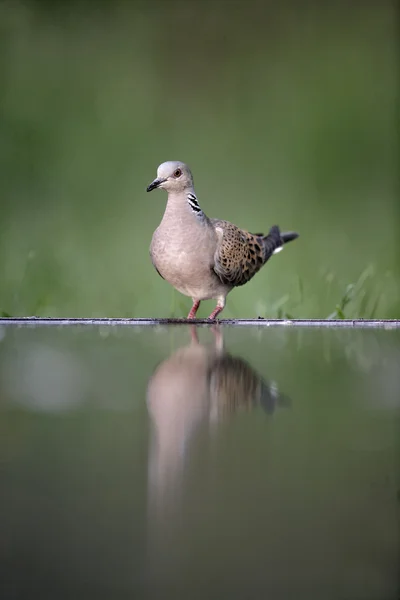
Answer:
(233, 384)
(239, 254)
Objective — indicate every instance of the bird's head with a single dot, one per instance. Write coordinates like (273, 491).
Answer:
(173, 176)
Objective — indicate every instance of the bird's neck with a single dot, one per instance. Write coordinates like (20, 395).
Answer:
(184, 205)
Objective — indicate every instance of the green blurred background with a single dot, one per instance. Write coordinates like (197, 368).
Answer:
(286, 113)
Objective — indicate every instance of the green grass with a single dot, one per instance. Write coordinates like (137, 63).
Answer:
(360, 300)
(285, 117)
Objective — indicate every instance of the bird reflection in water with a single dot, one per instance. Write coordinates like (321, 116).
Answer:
(194, 390)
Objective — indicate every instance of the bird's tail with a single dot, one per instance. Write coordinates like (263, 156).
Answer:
(271, 398)
(274, 241)
(288, 236)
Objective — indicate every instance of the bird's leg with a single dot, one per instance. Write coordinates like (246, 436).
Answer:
(215, 312)
(193, 334)
(219, 338)
(194, 309)
(220, 307)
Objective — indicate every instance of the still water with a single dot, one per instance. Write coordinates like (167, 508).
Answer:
(184, 462)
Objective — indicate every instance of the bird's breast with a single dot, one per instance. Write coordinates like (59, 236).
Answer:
(186, 262)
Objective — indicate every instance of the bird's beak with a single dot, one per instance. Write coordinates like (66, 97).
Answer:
(155, 184)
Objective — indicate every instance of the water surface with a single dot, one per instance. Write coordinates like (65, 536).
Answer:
(183, 462)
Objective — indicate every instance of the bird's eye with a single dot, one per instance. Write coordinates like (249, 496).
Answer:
(177, 173)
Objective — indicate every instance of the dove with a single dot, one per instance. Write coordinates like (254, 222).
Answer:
(201, 257)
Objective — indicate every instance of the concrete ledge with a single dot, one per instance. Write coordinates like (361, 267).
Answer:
(349, 323)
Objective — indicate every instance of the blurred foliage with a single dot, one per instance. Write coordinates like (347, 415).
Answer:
(286, 114)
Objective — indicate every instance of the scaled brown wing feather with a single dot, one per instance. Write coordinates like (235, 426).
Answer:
(239, 254)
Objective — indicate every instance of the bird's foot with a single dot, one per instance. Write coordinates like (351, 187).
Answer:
(215, 313)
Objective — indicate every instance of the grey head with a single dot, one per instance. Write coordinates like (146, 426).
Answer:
(173, 176)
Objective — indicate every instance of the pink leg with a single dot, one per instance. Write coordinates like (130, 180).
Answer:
(193, 334)
(194, 309)
(219, 340)
(215, 312)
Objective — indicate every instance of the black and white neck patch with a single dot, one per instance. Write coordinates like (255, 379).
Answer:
(193, 203)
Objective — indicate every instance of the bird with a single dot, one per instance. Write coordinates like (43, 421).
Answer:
(192, 393)
(204, 258)
(199, 385)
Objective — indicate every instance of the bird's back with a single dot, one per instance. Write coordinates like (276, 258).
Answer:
(241, 254)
